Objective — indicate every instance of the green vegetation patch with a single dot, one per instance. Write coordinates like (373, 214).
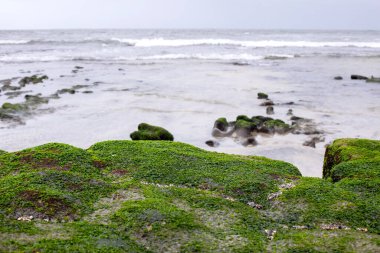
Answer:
(149, 132)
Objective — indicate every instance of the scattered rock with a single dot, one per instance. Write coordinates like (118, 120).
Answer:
(87, 92)
(78, 67)
(267, 103)
(251, 141)
(338, 78)
(25, 218)
(212, 143)
(287, 186)
(221, 124)
(274, 195)
(32, 79)
(270, 110)
(313, 141)
(261, 95)
(334, 227)
(63, 91)
(149, 132)
(290, 112)
(358, 77)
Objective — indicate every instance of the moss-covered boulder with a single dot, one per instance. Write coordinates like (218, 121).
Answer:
(221, 124)
(149, 132)
(13, 107)
(34, 79)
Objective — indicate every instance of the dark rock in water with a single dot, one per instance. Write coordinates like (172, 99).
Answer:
(87, 92)
(212, 143)
(338, 78)
(261, 95)
(149, 132)
(10, 87)
(267, 103)
(13, 94)
(63, 91)
(251, 141)
(78, 67)
(75, 71)
(221, 124)
(373, 80)
(304, 126)
(358, 77)
(218, 133)
(289, 103)
(270, 110)
(34, 79)
(290, 112)
(313, 141)
(240, 63)
(87, 79)
(120, 69)
(79, 86)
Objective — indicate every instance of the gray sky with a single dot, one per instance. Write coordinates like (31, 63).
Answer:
(244, 14)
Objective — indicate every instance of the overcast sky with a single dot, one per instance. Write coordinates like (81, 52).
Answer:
(243, 14)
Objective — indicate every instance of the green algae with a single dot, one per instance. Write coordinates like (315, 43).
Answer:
(158, 196)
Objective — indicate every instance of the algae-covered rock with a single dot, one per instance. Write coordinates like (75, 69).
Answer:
(373, 80)
(12, 107)
(149, 132)
(221, 124)
(32, 79)
(262, 95)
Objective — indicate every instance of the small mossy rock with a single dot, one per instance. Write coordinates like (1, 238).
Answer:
(32, 79)
(275, 126)
(221, 124)
(262, 95)
(244, 128)
(149, 132)
(244, 117)
(358, 77)
(12, 107)
(66, 90)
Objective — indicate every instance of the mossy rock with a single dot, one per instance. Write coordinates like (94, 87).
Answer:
(243, 117)
(344, 150)
(32, 79)
(221, 124)
(276, 126)
(262, 95)
(149, 132)
(244, 128)
(13, 107)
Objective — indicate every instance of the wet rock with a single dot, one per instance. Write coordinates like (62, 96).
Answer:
(150, 132)
(275, 126)
(244, 128)
(313, 141)
(80, 86)
(78, 67)
(63, 91)
(270, 110)
(87, 92)
(212, 143)
(251, 141)
(290, 112)
(13, 94)
(304, 126)
(36, 99)
(267, 103)
(240, 63)
(218, 133)
(262, 95)
(12, 107)
(338, 78)
(358, 77)
(34, 79)
(221, 124)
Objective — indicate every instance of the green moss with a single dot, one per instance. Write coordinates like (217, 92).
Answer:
(12, 107)
(32, 79)
(149, 132)
(244, 118)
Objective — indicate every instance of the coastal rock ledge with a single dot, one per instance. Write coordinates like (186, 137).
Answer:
(163, 196)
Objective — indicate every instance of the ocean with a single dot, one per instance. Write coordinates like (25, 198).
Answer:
(183, 80)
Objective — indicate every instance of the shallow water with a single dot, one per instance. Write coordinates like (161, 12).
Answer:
(184, 80)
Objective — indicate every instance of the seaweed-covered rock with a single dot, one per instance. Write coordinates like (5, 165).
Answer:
(12, 107)
(149, 132)
(262, 95)
(221, 124)
(66, 90)
(275, 126)
(32, 79)
(244, 128)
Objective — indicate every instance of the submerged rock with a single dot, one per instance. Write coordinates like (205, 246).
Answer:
(338, 78)
(373, 80)
(313, 141)
(149, 132)
(267, 103)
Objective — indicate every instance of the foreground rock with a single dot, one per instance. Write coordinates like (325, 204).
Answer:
(160, 196)
(149, 132)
